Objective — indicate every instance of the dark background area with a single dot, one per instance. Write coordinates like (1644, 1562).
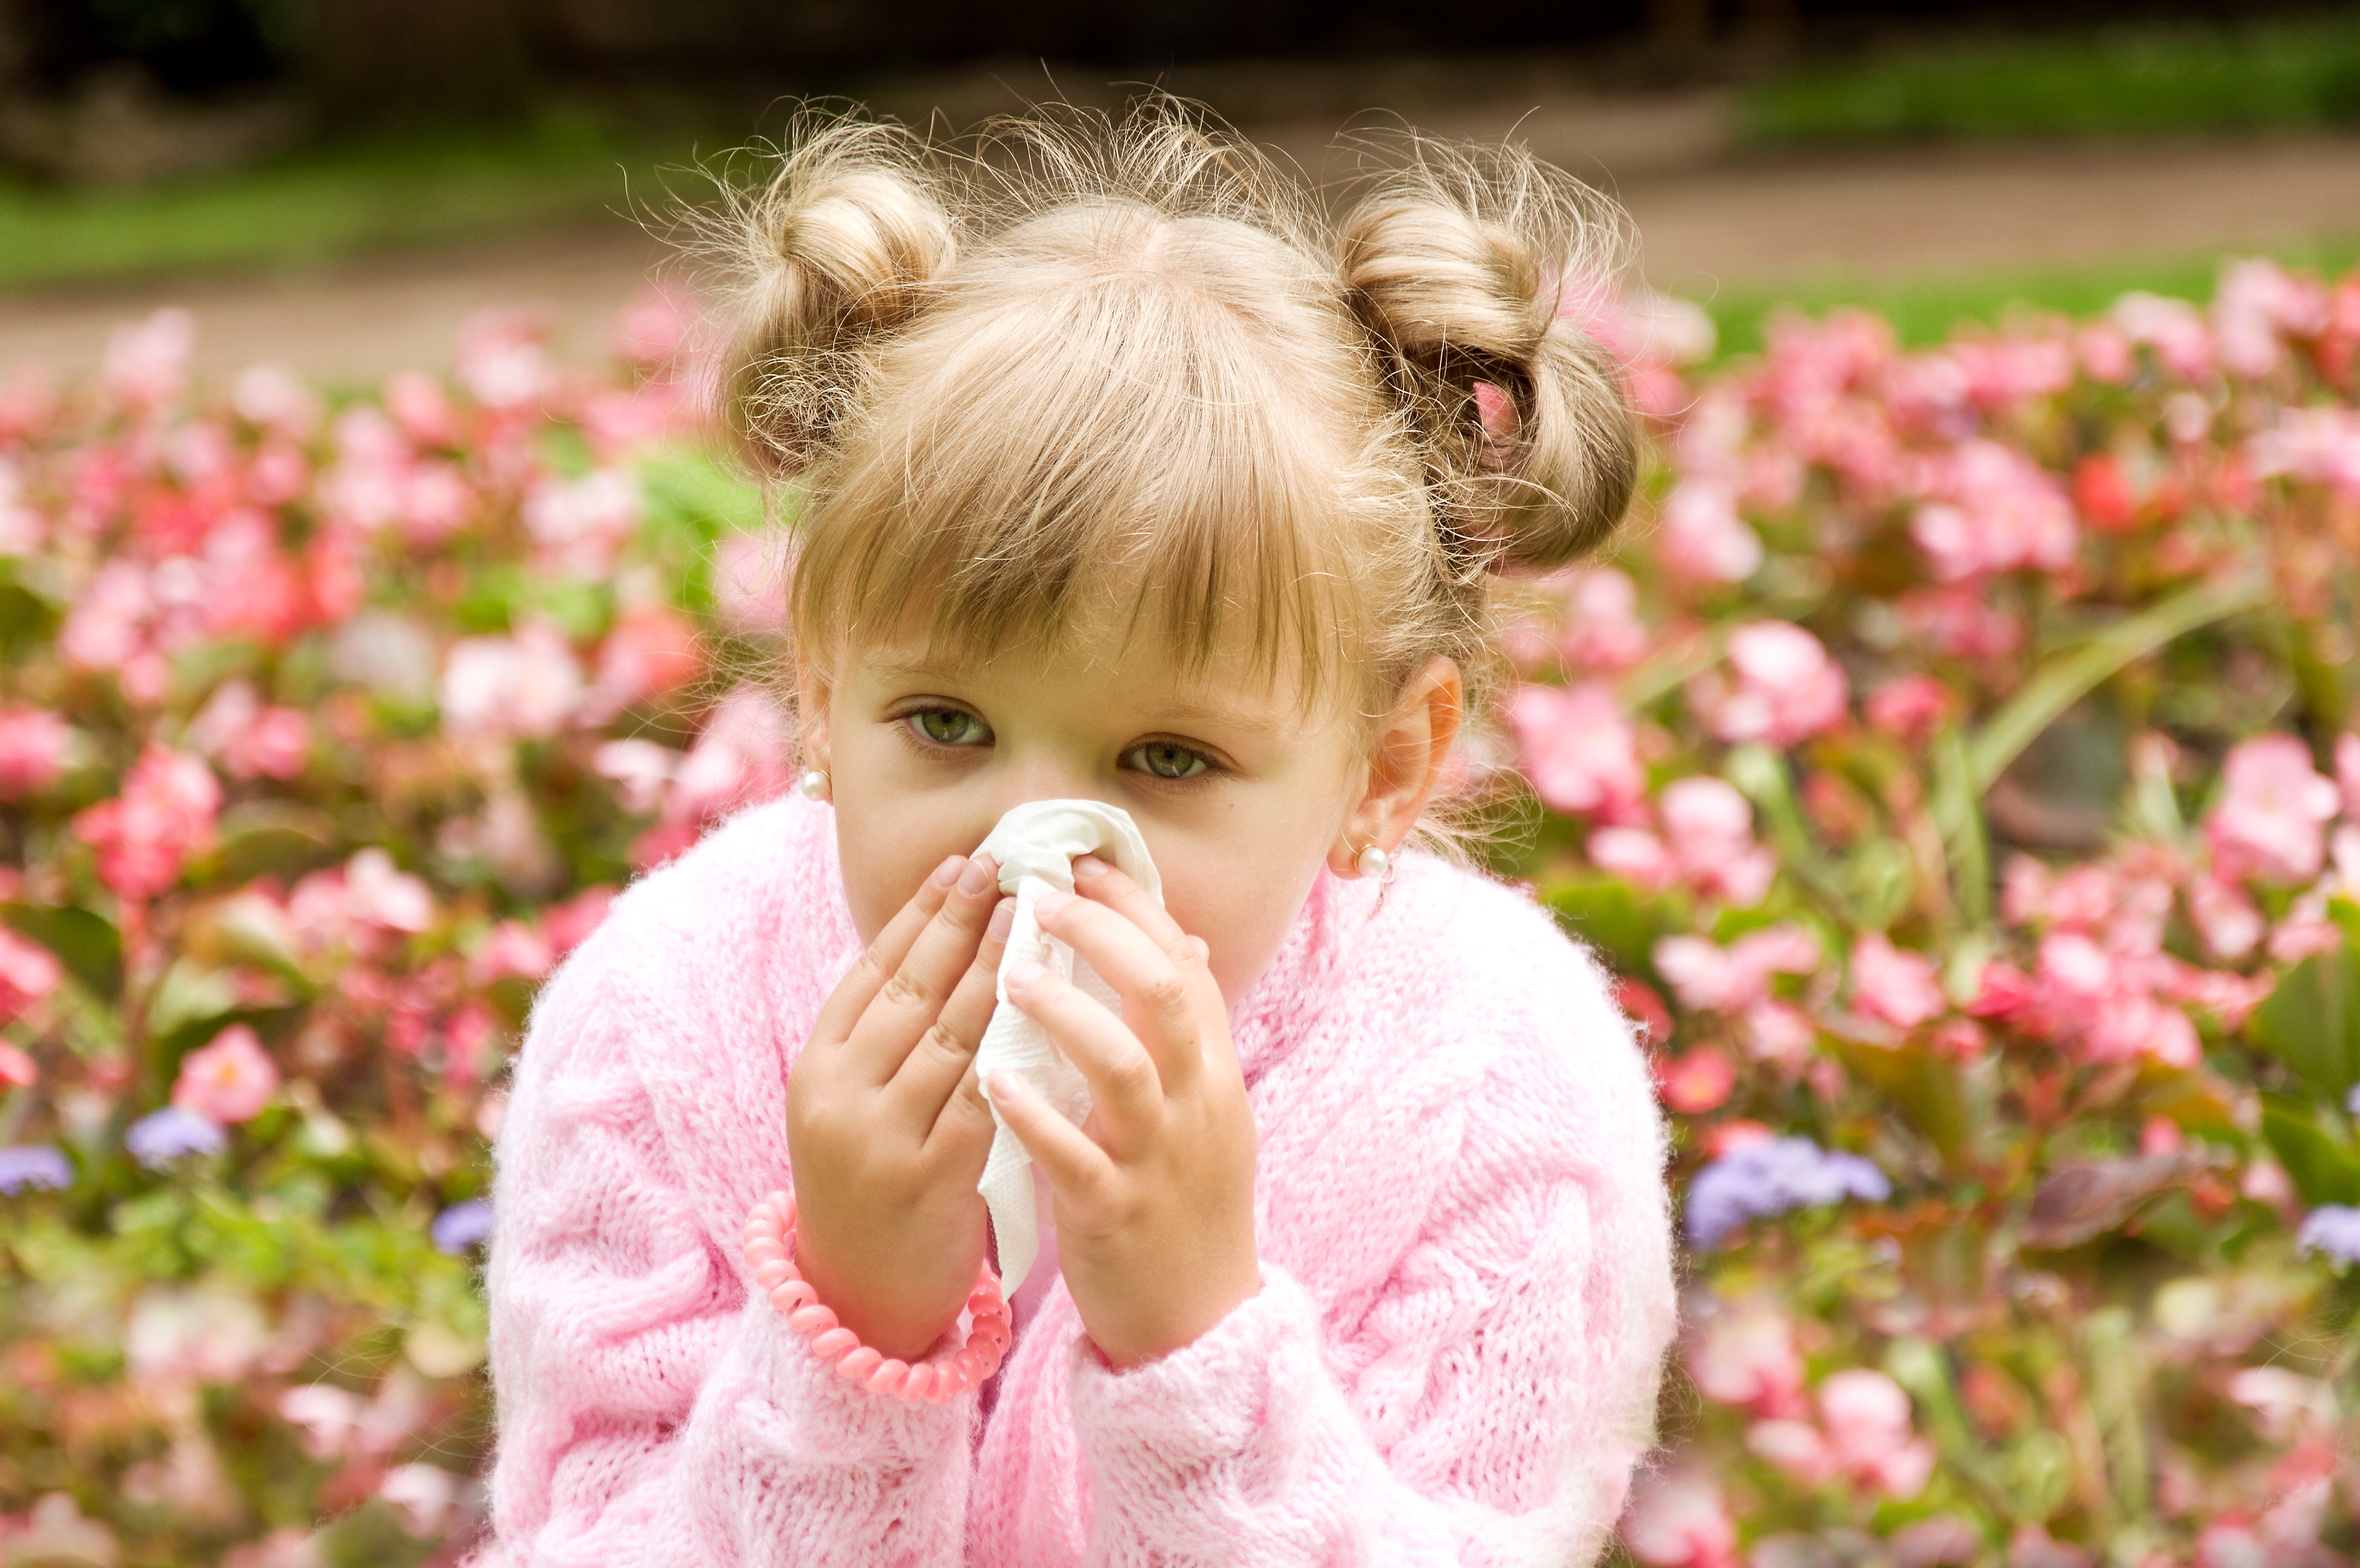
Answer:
(361, 64)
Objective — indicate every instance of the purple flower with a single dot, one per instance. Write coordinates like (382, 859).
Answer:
(2333, 1228)
(157, 1140)
(461, 1226)
(33, 1165)
(2352, 1100)
(1772, 1177)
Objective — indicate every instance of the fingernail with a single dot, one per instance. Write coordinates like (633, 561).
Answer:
(1024, 974)
(948, 872)
(974, 879)
(1050, 903)
(1089, 867)
(1003, 920)
(1003, 1087)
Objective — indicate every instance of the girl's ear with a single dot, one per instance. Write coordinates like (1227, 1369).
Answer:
(1405, 759)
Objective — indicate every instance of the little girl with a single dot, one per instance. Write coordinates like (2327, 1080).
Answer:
(1121, 477)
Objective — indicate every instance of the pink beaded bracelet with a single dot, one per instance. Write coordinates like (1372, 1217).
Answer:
(770, 1253)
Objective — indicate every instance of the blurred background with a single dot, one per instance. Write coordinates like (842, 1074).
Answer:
(335, 186)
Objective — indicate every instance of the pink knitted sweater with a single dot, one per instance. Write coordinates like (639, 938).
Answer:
(1466, 1267)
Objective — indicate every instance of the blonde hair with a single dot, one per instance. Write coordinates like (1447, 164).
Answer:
(1083, 362)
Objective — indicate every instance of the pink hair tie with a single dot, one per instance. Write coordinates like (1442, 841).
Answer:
(770, 1254)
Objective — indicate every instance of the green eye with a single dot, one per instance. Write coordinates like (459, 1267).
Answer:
(951, 727)
(1167, 761)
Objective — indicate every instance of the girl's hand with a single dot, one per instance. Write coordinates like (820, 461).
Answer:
(1155, 1191)
(886, 1134)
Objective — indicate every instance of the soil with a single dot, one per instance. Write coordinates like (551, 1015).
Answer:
(1709, 218)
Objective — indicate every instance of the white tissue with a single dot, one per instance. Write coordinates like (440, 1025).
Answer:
(1035, 846)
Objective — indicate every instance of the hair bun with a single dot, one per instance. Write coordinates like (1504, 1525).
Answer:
(839, 250)
(1456, 266)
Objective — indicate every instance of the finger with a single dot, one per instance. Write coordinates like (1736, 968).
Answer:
(868, 975)
(1160, 987)
(1126, 1092)
(1103, 882)
(1082, 1174)
(931, 1072)
(912, 997)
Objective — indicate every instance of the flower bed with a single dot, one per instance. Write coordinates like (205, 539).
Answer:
(1956, 766)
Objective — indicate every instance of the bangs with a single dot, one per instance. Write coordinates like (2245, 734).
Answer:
(1108, 442)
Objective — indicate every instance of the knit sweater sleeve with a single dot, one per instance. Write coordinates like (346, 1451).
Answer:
(1484, 1402)
(652, 1409)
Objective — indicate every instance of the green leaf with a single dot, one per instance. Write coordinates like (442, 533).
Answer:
(2322, 1169)
(1612, 917)
(2068, 678)
(2312, 1021)
(25, 619)
(1929, 1089)
(189, 993)
(86, 943)
(273, 835)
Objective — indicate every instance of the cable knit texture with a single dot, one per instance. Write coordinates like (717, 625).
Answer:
(1466, 1264)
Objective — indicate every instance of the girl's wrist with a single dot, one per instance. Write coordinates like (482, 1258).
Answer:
(896, 1333)
(770, 1254)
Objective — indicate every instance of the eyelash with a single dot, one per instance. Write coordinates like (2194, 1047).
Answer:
(907, 724)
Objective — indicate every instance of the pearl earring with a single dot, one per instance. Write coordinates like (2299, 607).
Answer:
(1374, 862)
(814, 785)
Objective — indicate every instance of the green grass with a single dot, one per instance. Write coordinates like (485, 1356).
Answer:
(1928, 310)
(2139, 80)
(330, 203)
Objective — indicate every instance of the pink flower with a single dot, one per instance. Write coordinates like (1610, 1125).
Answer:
(250, 740)
(513, 949)
(1896, 986)
(503, 361)
(230, 1080)
(1702, 537)
(524, 685)
(651, 651)
(1710, 831)
(1602, 628)
(422, 408)
(27, 973)
(277, 400)
(1795, 1448)
(1578, 748)
(1744, 1355)
(1678, 1520)
(2225, 918)
(2317, 445)
(2256, 307)
(577, 525)
(145, 835)
(1634, 854)
(33, 744)
(1990, 508)
(146, 362)
(750, 585)
(2172, 327)
(654, 327)
(2269, 823)
(17, 1069)
(1910, 708)
(377, 894)
(2347, 773)
(1709, 977)
(1868, 1427)
(1787, 688)
(1696, 1082)
(568, 925)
